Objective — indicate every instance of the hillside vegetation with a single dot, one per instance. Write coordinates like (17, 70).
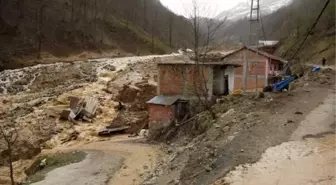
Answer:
(64, 27)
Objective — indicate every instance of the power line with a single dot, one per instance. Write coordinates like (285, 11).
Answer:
(310, 31)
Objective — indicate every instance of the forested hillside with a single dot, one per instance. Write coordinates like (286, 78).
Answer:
(290, 25)
(63, 27)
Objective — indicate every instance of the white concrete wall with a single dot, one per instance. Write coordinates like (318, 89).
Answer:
(210, 82)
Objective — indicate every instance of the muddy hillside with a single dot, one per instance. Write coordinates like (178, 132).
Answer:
(33, 99)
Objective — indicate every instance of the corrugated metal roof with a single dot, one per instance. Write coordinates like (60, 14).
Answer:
(164, 100)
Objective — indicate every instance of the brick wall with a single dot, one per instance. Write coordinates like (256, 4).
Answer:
(260, 67)
(196, 79)
(252, 69)
(183, 79)
(160, 113)
(171, 80)
(238, 83)
(251, 83)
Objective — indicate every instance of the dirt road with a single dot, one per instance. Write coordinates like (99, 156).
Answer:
(95, 169)
(309, 158)
(121, 160)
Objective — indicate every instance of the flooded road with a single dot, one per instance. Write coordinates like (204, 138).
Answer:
(94, 169)
(308, 159)
(120, 160)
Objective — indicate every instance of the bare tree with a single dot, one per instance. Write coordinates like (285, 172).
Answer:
(145, 14)
(153, 30)
(73, 11)
(85, 11)
(9, 134)
(40, 18)
(203, 32)
(170, 24)
(95, 9)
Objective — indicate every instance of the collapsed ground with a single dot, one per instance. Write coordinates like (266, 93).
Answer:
(200, 151)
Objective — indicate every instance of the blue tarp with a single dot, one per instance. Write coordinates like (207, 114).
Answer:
(278, 87)
(316, 68)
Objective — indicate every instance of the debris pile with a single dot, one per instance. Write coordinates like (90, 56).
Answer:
(132, 107)
(81, 108)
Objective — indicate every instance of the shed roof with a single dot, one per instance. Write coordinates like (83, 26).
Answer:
(164, 100)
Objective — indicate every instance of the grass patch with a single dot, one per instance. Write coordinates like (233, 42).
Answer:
(36, 174)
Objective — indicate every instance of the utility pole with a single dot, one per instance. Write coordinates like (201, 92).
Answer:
(254, 37)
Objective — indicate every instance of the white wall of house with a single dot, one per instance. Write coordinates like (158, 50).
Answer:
(230, 72)
(210, 82)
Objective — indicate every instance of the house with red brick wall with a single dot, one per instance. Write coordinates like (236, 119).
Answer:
(183, 79)
(258, 68)
(188, 79)
(180, 80)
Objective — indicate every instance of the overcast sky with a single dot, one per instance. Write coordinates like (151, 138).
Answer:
(213, 7)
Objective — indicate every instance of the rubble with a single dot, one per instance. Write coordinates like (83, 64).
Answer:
(81, 108)
(111, 131)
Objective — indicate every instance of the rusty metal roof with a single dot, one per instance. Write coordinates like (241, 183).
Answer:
(164, 100)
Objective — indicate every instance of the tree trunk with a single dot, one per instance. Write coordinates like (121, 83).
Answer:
(85, 11)
(153, 31)
(11, 171)
(73, 11)
(145, 14)
(95, 15)
(40, 27)
(171, 19)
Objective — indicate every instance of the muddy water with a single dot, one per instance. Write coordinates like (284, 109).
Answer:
(20, 80)
(308, 159)
(94, 169)
(34, 97)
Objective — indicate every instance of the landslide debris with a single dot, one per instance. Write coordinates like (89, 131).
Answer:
(34, 97)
